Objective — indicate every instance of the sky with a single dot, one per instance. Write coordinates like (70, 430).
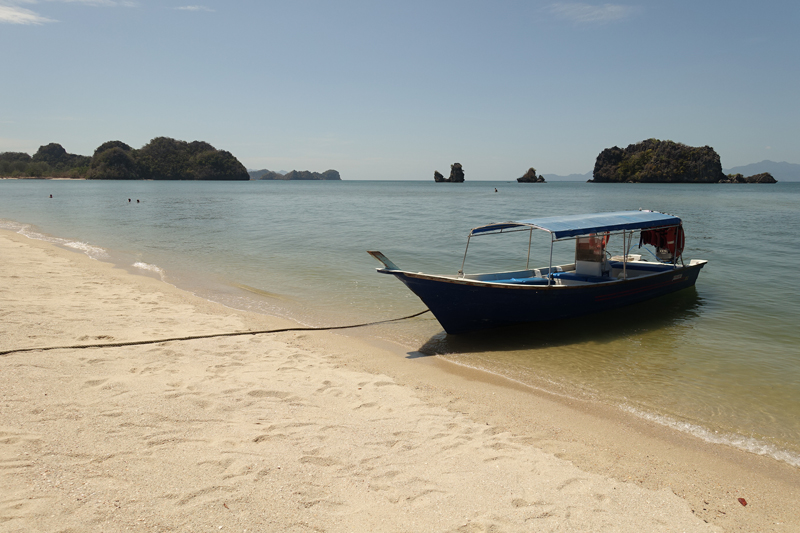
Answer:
(398, 89)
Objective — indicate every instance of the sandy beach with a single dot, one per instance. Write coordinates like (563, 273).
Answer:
(314, 431)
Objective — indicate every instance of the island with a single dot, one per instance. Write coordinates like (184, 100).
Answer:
(786, 171)
(456, 175)
(162, 158)
(764, 177)
(656, 161)
(530, 177)
(264, 174)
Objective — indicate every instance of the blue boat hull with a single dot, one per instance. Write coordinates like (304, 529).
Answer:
(461, 306)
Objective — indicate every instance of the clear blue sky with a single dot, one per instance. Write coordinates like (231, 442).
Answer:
(398, 89)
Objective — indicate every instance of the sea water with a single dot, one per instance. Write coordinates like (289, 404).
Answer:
(721, 360)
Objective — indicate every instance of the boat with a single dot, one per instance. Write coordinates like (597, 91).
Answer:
(595, 282)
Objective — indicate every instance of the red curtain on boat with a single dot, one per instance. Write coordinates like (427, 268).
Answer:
(671, 239)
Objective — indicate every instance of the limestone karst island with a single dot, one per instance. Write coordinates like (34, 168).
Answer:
(655, 161)
(530, 177)
(160, 159)
(650, 161)
(456, 175)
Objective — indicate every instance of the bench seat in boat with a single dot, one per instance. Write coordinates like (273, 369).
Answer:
(650, 267)
(572, 276)
(521, 281)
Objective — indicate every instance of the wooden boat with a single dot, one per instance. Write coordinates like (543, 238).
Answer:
(596, 282)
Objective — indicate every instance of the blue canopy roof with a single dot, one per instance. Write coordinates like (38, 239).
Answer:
(574, 225)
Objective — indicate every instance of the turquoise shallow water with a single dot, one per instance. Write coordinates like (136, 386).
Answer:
(720, 361)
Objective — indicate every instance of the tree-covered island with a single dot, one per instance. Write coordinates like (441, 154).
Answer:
(305, 175)
(162, 158)
(655, 161)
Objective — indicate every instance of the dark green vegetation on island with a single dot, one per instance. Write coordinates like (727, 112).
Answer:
(294, 175)
(655, 161)
(160, 159)
(50, 161)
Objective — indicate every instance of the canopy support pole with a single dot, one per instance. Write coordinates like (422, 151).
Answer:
(461, 272)
(530, 238)
(624, 257)
(550, 266)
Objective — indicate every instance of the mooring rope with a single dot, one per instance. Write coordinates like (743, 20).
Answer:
(209, 336)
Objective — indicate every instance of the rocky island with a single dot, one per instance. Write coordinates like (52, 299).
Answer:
(530, 177)
(656, 161)
(162, 158)
(328, 175)
(456, 175)
(764, 177)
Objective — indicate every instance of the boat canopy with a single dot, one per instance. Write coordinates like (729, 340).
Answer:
(574, 225)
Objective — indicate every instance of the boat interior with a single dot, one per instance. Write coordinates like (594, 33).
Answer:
(593, 264)
(576, 273)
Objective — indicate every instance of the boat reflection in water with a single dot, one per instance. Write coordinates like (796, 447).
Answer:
(634, 323)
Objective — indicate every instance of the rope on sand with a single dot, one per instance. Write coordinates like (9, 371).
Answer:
(193, 337)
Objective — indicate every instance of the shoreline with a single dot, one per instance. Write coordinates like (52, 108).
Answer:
(602, 439)
(40, 178)
(507, 422)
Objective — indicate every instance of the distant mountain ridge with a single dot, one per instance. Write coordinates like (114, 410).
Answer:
(570, 177)
(782, 171)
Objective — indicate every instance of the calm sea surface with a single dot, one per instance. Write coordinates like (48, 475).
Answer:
(721, 361)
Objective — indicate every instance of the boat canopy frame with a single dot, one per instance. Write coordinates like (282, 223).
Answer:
(571, 227)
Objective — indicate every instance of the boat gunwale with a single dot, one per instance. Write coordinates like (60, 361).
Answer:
(697, 263)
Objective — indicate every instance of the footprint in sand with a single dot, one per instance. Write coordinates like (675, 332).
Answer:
(319, 461)
(261, 393)
(570, 481)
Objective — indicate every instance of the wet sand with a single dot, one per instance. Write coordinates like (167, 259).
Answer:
(314, 431)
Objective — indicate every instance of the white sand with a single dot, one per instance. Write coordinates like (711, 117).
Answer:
(299, 431)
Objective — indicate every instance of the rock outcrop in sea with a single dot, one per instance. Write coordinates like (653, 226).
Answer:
(456, 175)
(781, 171)
(530, 177)
(764, 177)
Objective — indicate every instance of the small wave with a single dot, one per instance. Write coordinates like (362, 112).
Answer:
(10, 225)
(93, 252)
(734, 440)
(150, 268)
(548, 386)
(740, 442)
